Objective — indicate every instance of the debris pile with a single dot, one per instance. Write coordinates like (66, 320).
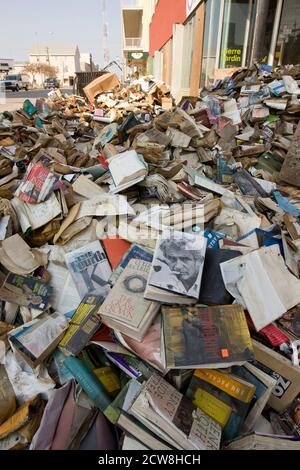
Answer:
(150, 267)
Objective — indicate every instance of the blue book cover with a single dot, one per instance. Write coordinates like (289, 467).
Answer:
(89, 382)
(134, 252)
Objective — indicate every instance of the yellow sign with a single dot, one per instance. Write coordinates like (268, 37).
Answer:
(232, 57)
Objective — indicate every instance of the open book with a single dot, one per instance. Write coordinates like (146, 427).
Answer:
(174, 418)
(34, 216)
(127, 169)
(125, 308)
(257, 441)
(263, 284)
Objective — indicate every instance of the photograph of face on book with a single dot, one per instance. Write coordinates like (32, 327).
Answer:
(178, 264)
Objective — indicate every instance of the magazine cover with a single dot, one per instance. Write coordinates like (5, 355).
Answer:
(89, 269)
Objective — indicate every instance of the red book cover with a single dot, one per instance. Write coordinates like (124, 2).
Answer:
(115, 249)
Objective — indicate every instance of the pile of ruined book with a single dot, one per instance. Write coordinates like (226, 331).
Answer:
(150, 267)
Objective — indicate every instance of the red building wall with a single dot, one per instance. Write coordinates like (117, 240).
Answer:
(167, 13)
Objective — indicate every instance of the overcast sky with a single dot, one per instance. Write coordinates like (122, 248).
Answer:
(24, 23)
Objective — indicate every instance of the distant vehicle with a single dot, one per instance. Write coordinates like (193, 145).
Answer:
(17, 82)
(51, 82)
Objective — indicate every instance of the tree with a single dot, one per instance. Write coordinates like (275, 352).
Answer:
(33, 69)
(48, 70)
(45, 69)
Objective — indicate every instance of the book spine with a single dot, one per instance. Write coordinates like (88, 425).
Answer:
(227, 384)
(88, 381)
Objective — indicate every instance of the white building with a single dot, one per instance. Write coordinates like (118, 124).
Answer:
(6, 66)
(66, 59)
(136, 18)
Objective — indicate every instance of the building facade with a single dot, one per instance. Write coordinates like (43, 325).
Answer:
(241, 32)
(6, 65)
(136, 18)
(194, 42)
(66, 59)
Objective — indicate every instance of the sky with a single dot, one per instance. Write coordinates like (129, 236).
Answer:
(24, 23)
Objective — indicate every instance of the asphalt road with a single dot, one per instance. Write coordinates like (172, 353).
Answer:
(33, 94)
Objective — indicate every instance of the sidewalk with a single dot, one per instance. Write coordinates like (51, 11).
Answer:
(11, 104)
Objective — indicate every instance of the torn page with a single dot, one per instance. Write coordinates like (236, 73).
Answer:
(18, 258)
(65, 297)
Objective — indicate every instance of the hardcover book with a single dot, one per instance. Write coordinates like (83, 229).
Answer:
(135, 252)
(205, 337)
(88, 382)
(125, 308)
(177, 267)
(264, 385)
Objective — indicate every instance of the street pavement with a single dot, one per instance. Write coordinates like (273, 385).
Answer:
(14, 100)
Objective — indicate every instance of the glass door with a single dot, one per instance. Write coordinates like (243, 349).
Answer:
(235, 33)
(288, 41)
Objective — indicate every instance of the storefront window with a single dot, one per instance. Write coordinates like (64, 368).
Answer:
(234, 40)
(288, 44)
(262, 31)
(210, 43)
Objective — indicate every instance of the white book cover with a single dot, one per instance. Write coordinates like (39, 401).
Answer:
(126, 302)
(127, 167)
(89, 269)
(178, 263)
(261, 282)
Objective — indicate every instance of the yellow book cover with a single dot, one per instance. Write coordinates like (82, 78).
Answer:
(232, 386)
(214, 390)
(212, 406)
(108, 378)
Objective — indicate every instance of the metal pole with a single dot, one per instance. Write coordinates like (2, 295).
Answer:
(275, 32)
(220, 33)
(210, 33)
(247, 33)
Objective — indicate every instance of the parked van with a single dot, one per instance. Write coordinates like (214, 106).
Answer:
(16, 82)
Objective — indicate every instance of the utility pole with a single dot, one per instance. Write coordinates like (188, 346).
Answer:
(105, 35)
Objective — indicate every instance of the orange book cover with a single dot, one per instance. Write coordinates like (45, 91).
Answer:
(115, 250)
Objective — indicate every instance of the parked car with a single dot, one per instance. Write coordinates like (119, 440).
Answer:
(51, 82)
(17, 82)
